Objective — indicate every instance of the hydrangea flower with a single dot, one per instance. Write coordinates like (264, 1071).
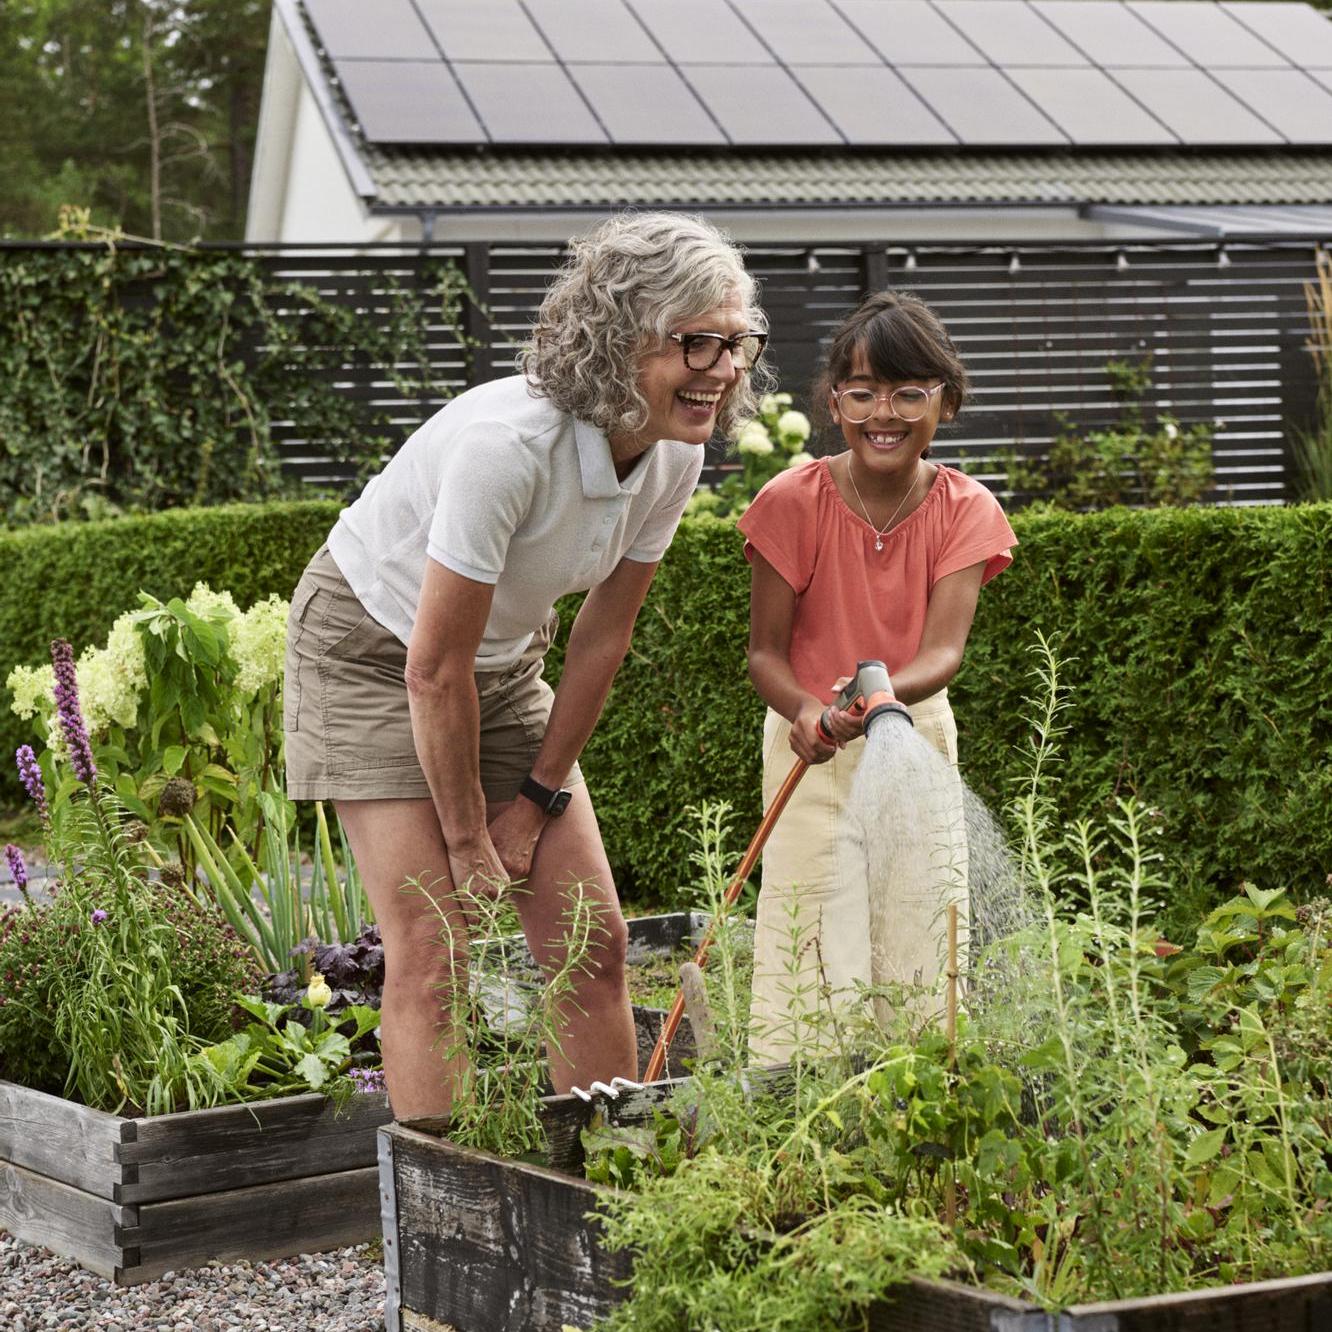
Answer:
(753, 438)
(800, 459)
(32, 687)
(793, 427)
(259, 644)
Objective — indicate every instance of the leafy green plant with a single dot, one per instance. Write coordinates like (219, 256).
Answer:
(148, 377)
(277, 1054)
(183, 705)
(769, 443)
(1313, 448)
(271, 901)
(1135, 462)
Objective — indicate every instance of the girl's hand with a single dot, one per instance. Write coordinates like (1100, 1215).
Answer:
(805, 741)
(514, 832)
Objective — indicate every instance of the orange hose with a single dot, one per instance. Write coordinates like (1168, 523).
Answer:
(770, 817)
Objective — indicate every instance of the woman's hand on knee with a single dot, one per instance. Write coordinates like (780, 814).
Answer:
(514, 833)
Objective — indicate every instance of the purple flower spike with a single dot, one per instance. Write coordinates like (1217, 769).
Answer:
(98, 916)
(30, 774)
(17, 867)
(68, 714)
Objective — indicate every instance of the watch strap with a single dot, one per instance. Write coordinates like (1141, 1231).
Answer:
(549, 801)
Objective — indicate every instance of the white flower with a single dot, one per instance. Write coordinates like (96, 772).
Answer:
(210, 605)
(800, 459)
(753, 438)
(32, 688)
(771, 404)
(317, 993)
(258, 641)
(1171, 430)
(793, 427)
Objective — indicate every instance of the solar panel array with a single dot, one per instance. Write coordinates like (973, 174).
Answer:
(834, 73)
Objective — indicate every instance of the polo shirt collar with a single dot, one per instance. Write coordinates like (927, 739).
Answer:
(597, 467)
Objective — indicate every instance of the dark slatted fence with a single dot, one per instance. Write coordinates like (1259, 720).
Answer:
(1224, 329)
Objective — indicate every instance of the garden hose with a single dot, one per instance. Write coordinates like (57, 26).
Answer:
(869, 693)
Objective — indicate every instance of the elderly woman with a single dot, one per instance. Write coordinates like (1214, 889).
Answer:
(414, 694)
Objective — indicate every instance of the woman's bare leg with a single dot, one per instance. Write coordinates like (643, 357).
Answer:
(597, 1038)
(399, 850)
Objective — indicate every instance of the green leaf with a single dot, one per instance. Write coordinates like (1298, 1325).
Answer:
(173, 758)
(1206, 1145)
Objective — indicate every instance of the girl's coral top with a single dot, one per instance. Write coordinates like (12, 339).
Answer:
(854, 602)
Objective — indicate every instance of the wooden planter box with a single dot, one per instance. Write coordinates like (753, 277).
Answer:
(479, 1244)
(133, 1198)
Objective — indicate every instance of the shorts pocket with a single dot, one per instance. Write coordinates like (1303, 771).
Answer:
(291, 671)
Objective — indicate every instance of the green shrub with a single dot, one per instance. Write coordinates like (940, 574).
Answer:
(1197, 644)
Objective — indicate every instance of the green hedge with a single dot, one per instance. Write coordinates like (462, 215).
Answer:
(1197, 643)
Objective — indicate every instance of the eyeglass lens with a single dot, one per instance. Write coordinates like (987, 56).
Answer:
(907, 404)
(703, 350)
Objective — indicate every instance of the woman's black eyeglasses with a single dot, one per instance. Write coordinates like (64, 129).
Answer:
(703, 350)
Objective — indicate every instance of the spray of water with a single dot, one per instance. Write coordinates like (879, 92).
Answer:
(929, 840)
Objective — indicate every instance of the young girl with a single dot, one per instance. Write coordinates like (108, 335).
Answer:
(872, 553)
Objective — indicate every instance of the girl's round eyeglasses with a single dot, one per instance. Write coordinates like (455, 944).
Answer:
(908, 403)
(703, 350)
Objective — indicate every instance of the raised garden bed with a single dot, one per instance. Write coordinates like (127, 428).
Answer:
(480, 1244)
(133, 1198)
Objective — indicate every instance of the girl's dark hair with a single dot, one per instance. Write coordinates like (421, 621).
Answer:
(902, 338)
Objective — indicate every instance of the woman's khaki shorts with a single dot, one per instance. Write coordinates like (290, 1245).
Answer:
(349, 730)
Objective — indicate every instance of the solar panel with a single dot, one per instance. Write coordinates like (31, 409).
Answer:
(483, 30)
(395, 34)
(1288, 99)
(646, 104)
(703, 31)
(1109, 33)
(1194, 107)
(873, 105)
(808, 32)
(1301, 34)
(1089, 108)
(910, 32)
(760, 104)
(529, 104)
(407, 101)
(1207, 34)
(592, 30)
(980, 106)
(1009, 32)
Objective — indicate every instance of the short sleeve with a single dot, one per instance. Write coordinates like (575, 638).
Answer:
(977, 530)
(781, 525)
(488, 482)
(659, 526)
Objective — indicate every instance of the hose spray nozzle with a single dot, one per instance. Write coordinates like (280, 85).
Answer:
(868, 694)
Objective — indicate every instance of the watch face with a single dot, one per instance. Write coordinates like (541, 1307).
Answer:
(559, 802)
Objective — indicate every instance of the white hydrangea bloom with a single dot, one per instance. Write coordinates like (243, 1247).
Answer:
(111, 679)
(753, 438)
(793, 427)
(772, 404)
(800, 459)
(1171, 430)
(259, 644)
(33, 688)
(210, 605)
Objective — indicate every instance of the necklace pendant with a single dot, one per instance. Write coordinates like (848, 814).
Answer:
(878, 543)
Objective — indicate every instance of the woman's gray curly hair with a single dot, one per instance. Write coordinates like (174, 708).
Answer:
(625, 287)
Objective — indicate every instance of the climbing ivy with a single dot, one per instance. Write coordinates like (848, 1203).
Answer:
(149, 377)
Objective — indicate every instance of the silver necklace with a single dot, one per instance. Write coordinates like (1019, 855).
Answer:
(879, 532)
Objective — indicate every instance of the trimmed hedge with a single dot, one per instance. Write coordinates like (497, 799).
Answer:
(1197, 644)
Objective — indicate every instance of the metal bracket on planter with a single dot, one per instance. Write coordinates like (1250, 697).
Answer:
(611, 1090)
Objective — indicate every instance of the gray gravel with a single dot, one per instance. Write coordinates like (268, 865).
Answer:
(339, 1291)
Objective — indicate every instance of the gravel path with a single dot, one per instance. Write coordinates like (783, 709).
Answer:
(340, 1291)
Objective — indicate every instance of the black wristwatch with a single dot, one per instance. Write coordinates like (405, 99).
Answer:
(552, 803)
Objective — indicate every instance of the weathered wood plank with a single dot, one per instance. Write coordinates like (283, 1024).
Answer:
(266, 1221)
(69, 1221)
(67, 1142)
(388, 1221)
(236, 1146)
(495, 1246)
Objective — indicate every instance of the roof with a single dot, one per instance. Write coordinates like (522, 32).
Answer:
(492, 176)
(412, 179)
